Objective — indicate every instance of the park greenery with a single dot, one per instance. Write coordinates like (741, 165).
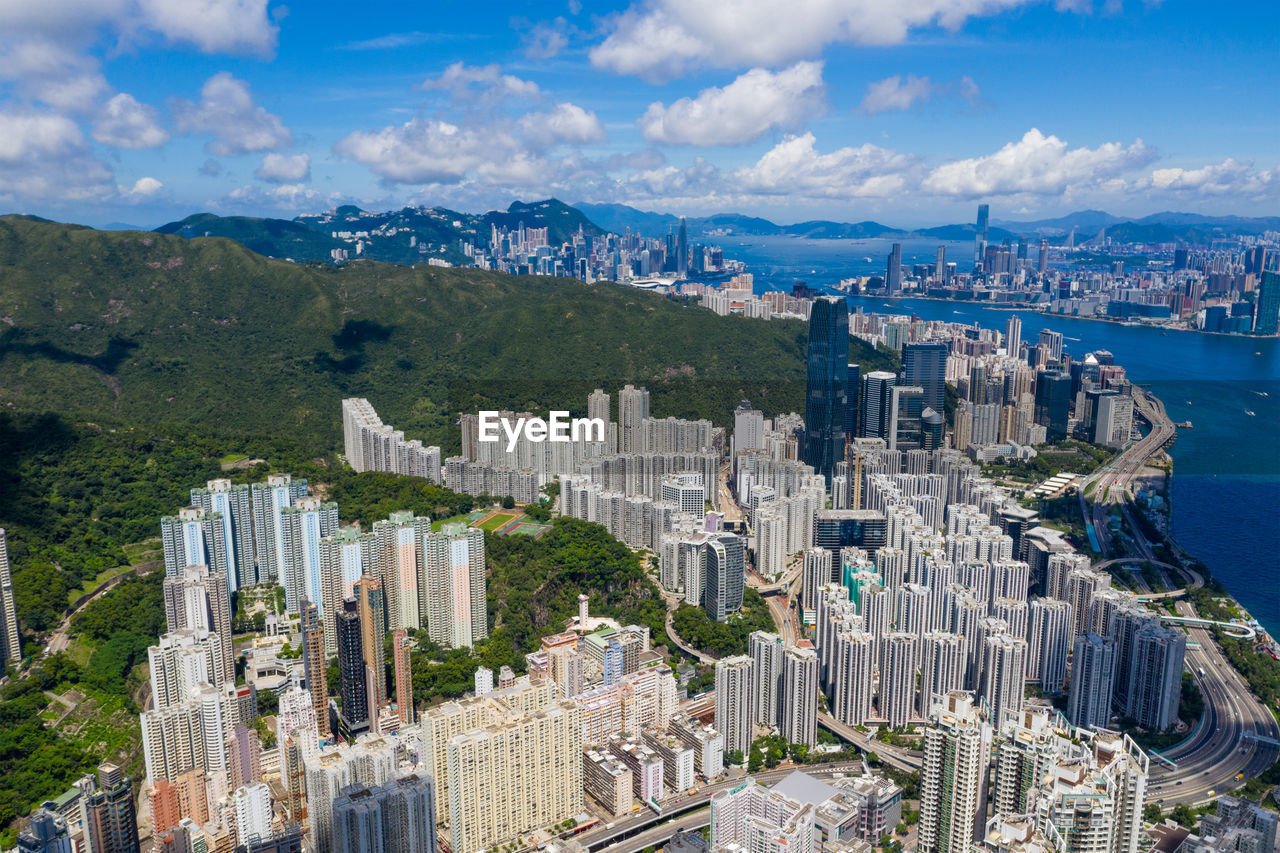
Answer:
(722, 639)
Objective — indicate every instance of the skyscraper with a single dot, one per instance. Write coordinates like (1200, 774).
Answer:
(1012, 336)
(1042, 263)
(899, 658)
(193, 537)
(827, 372)
(682, 249)
(953, 776)
(1267, 317)
(893, 271)
(10, 638)
(980, 233)
(111, 823)
(1155, 676)
(725, 556)
(853, 401)
(404, 676)
(925, 364)
(302, 526)
(453, 594)
(799, 711)
(633, 409)
(270, 498)
(314, 664)
(1053, 403)
(354, 684)
(877, 403)
(1048, 641)
(235, 505)
(373, 612)
(1092, 662)
(766, 677)
(733, 703)
(1003, 676)
(198, 598)
(942, 670)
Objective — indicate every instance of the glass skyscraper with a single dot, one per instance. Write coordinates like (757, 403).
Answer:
(826, 400)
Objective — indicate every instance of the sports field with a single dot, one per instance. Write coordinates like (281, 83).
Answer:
(497, 520)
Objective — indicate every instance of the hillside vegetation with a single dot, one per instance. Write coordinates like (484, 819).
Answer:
(155, 330)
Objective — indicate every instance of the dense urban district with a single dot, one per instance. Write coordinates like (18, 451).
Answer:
(628, 573)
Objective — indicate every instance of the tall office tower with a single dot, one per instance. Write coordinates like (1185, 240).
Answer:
(855, 658)
(766, 677)
(1048, 641)
(980, 232)
(1053, 342)
(942, 669)
(1012, 335)
(111, 823)
(827, 374)
(1053, 403)
(925, 364)
(682, 249)
(633, 409)
(452, 594)
(940, 267)
(733, 703)
(1267, 316)
(193, 538)
(373, 617)
(893, 270)
(1155, 676)
(1124, 632)
(906, 418)
(235, 505)
(799, 712)
(726, 564)
(953, 783)
(1042, 264)
(302, 526)
(853, 402)
(1003, 676)
(519, 774)
(270, 498)
(899, 659)
(315, 664)
(1081, 586)
(877, 403)
(354, 683)
(403, 675)
(197, 598)
(816, 573)
(10, 637)
(1089, 702)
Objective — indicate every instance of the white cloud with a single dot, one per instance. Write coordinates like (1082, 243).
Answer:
(144, 189)
(663, 39)
(226, 112)
(794, 167)
(424, 151)
(894, 93)
(464, 81)
(285, 168)
(52, 73)
(746, 109)
(290, 197)
(45, 157)
(1037, 164)
(1230, 177)
(212, 26)
(565, 123)
(545, 41)
(126, 123)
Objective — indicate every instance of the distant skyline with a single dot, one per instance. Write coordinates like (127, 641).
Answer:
(133, 111)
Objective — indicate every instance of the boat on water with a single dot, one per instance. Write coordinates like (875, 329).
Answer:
(1184, 425)
(1250, 413)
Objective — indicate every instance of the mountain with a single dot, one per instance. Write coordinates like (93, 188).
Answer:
(617, 218)
(822, 229)
(201, 335)
(1086, 222)
(723, 224)
(276, 238)
(965, 233)
(406, 236)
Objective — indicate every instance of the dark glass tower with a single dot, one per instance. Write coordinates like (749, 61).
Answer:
(682, 249)
(925, 364)
(826, 400)
(1053, 403)
(354, 685)
(1267, 321)
(852, 395)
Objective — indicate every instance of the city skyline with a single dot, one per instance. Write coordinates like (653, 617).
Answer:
(126, 113)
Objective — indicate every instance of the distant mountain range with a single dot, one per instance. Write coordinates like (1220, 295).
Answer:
(414, 234)
(407, 236)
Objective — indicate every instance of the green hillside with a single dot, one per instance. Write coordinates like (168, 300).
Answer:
(154, 330)
(277, 238)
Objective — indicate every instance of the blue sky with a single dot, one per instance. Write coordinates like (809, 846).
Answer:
(910, 113)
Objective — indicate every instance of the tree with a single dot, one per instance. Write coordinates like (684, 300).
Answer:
(1152, 813)
(734, 757)
(1185, 815)
(508, 502)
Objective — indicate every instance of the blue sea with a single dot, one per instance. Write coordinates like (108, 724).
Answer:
(1226, 482)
